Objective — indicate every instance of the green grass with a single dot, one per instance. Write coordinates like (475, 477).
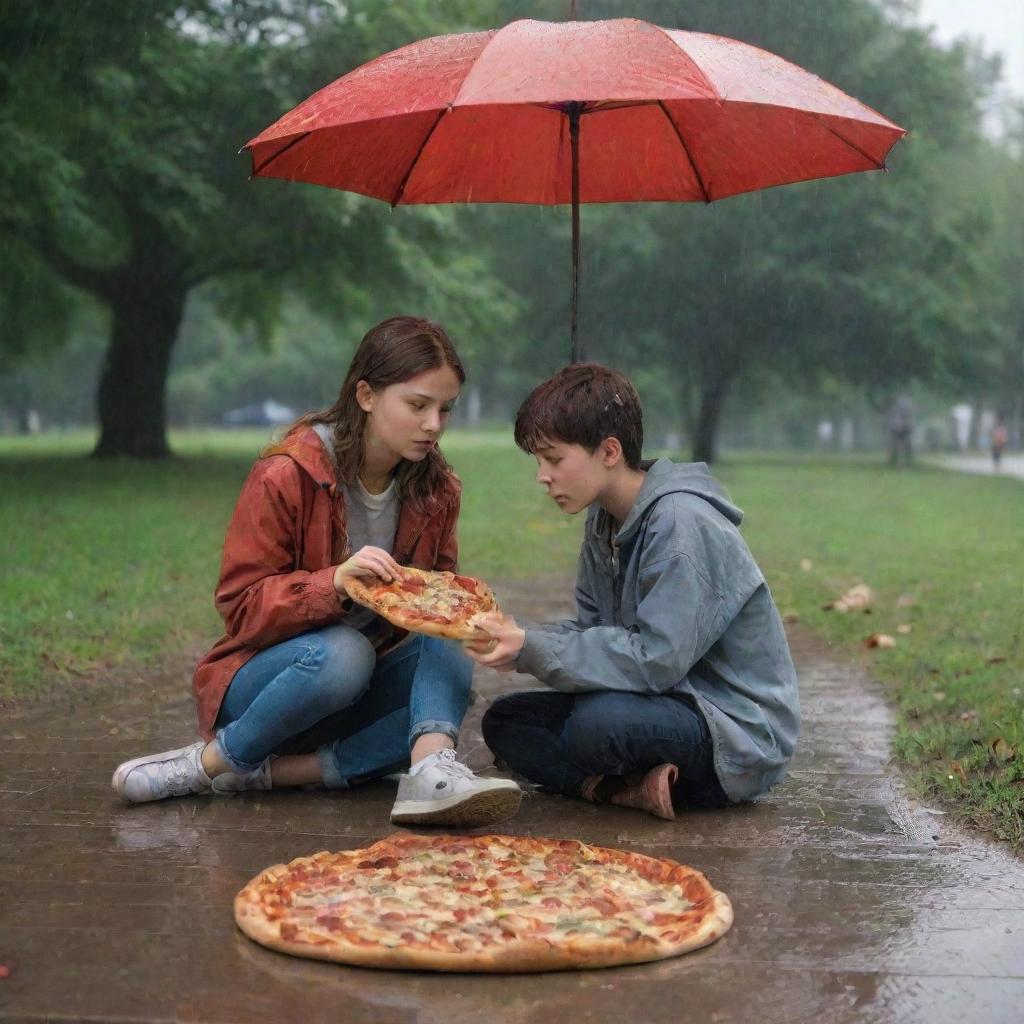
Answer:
(952, 544)
(103, 563)
(107, 562)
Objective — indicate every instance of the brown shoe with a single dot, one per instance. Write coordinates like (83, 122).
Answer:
(651, 792)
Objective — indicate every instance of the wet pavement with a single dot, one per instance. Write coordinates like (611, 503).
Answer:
(1012, 464)
(852, 902)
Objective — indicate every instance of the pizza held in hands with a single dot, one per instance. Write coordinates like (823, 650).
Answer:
(493, 903)
(436, 603)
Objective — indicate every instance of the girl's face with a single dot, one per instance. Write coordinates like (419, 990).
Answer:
(408, 419)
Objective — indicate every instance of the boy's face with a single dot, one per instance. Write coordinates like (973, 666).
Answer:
(574, 478)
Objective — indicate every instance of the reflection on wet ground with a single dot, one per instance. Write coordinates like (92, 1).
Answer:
(852, 902)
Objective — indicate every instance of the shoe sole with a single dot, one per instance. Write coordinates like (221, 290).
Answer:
(479, 809)
(121, 773)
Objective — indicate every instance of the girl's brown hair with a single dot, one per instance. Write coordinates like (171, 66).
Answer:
(394, 351)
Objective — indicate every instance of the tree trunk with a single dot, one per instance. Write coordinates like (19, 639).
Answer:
(131, 402)
(715, 383)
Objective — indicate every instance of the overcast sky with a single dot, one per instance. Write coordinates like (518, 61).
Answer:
(999, 23)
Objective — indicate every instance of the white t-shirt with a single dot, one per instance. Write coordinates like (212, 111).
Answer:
(372, 519)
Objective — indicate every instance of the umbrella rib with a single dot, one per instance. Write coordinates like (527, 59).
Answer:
(412, 166)
(686, 150)
(867, 156)
(284, 149)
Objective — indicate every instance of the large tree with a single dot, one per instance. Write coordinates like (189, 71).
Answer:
(124, 121)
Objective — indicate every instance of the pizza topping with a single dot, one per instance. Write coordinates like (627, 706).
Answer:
(441, 603)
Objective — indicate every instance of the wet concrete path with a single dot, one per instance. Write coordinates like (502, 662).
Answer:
(1012, 464)
(852, 903)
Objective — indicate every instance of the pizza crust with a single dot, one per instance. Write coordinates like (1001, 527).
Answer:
(708, 917)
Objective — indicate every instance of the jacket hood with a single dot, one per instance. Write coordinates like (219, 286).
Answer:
(307, 449)
(667, 477)
(310, 448)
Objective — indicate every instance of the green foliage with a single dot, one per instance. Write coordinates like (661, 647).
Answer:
(123, 123)
(879, 280)
(127, 183)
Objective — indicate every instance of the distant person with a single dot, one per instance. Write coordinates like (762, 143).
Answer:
(961, 416)
(673, 683)
(901, 429)
(999, 437)
(306, 687)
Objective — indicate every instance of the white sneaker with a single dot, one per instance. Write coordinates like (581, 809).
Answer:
(441, 790)
(158, 776)
(235, 782)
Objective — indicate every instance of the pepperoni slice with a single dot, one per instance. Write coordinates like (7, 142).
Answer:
(380, 862)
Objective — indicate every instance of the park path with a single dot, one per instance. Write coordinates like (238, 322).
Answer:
(1012, 464)
(852, 902)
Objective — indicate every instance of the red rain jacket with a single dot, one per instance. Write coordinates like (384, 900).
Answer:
(280, 553)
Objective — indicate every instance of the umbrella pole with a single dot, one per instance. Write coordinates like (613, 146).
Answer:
(575, 355)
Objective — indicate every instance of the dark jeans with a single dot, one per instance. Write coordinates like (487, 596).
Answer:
(561, 739)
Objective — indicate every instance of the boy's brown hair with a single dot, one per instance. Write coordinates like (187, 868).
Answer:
(583, 404)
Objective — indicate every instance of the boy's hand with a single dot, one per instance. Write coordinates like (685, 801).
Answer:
(502, 650)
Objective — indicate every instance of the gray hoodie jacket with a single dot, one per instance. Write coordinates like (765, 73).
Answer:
(674, 603)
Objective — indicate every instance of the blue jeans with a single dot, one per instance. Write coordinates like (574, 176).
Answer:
(326, 691)
(561, 739)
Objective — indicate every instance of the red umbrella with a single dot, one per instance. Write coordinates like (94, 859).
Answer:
(512, 115)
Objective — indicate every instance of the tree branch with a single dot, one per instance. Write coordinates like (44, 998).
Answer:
(98, 282)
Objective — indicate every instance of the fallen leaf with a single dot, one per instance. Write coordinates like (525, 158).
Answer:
(1002, 750)
(939, 695)
(791, 617)
(969, 716)
(857, 598)
(880, 640)
(904, 628)
(958, 769)
(806, 564)
(997, 660)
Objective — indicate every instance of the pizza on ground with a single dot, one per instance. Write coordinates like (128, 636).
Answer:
(482, 903)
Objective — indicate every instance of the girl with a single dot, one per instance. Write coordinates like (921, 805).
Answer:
(307, 687)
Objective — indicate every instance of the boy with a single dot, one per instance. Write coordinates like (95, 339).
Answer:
(673, 684)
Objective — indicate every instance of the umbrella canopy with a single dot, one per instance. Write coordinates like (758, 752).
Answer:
(592, 112)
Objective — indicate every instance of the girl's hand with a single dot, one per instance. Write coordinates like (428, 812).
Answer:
(367, 561)
(505, 643)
